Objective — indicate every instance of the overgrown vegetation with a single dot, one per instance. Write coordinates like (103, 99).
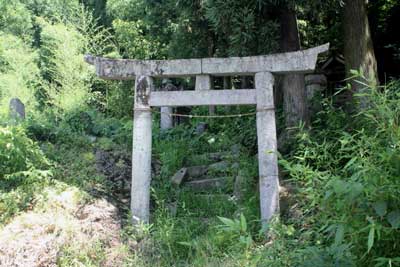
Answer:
(70, 158)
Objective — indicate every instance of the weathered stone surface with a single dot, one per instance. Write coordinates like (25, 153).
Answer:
(204, 82)
(208, 184)
(197, 171)
(298, 61)
(315, 79)
(203, 98)
(201, 127)
(267, 147)
(179, 176)
(315, 84)
(17, 109)
(166, 121)
(221, 166)
(235, 149)
(141, 152)
(126, 69)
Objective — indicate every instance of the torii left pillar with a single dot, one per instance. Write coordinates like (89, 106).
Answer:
(141, 152)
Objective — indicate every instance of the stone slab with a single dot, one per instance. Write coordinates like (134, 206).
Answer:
(203, 98)
(179, 176)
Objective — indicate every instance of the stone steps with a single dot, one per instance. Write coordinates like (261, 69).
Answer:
(207, 186)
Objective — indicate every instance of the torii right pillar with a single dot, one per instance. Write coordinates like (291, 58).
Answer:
(267, 146)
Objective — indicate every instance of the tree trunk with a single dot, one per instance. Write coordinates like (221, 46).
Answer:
(293, 87)
(358, 48)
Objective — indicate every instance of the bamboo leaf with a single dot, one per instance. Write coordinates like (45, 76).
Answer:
(371, 237)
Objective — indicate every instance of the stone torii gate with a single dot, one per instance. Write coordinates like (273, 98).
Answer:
(262, 67)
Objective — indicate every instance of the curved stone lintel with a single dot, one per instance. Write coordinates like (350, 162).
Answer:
(127, 69)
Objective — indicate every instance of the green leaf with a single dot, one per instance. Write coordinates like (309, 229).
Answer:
(380, 208)
(394, 219)
(371, 237)
(354, 72)
(339, 236)
(186, 244)
(243, 223)
(228, 222)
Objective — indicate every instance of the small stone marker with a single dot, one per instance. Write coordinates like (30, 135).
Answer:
(179, 176)
(17, 109)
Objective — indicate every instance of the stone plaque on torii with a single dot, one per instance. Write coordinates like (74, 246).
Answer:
(262, 67)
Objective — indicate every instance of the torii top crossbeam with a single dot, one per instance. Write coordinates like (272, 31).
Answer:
(127, 69)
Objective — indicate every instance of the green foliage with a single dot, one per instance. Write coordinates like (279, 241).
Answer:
(88, 256)
(63, 66)
(15, 18)
(23, 171)
(244, 27)
(19, 73)
(132, 41)
(348, 173)
(18, 153)
(52, 9)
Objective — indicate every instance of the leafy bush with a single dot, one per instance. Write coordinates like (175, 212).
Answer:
(347, 171)
(132, 41)
(18, 153)
(23, 171)
(15, 18)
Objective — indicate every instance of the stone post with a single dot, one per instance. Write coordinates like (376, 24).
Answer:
(141, 152)
(203, 82)
(315, 83)
(267, 146)
(17, 109)
(227, 84)
(166, 121)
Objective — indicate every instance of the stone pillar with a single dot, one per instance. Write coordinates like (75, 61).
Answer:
(17, 109)
(141, 152)
(227, 84)
(267, 146)
(315, 83)
(203, 82)
(166, 121)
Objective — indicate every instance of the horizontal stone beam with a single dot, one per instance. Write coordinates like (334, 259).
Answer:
(126, 69)
(202, 98)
